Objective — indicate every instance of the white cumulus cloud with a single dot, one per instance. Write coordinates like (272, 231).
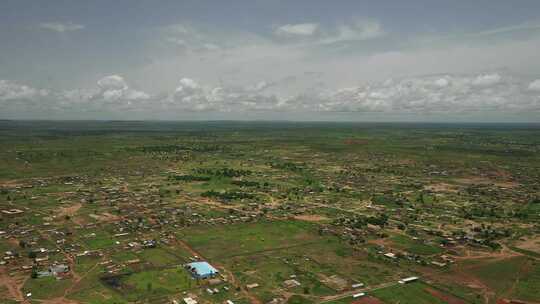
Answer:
(300, 29)
(452, 94)
(487, 79)
(442, 82)
(14, 91)
(114, 88)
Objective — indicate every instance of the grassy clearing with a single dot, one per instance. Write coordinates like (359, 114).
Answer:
(158, 282)
(90, 290)
(123, 256)
(98, 295)
(159, 257)
(46, 287)
(470, 295)
(492, 272)
(296, 299)
(414, 246)
(528, 286)
(248, 238)
(100, 241)
(84, 264)
(413, 293)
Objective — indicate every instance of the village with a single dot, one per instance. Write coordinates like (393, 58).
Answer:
(208, 223)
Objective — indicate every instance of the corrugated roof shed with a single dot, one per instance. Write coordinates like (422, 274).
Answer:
(201, 269)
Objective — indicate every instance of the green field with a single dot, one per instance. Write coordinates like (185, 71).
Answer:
(407, 294)
(159, 282)
(415, 246)
(529, 283)
(250, 238)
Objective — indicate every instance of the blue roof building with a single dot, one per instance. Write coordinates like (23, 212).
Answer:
(201, 270)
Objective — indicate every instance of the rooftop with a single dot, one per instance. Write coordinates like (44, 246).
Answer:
(202, 269)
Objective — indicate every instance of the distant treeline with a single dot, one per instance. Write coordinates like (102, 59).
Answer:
(502, 151)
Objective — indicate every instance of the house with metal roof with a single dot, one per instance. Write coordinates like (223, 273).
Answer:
(201, 270)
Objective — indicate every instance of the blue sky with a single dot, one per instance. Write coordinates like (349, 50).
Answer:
(271, 59)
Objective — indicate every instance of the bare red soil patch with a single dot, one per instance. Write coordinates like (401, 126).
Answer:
(106, 217)
(507, 301)
(444, 297)
(11, 183)
(61, 300)
(12, 285)
(69, 211)
(368, 300)
(311, 217)
(480, 180)
(531, 244)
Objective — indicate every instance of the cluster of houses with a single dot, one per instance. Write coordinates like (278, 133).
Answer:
(126, 215)
(56, 270)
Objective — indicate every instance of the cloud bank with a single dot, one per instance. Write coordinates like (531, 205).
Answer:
(448, 94)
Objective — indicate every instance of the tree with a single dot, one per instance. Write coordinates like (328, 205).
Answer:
(34, 273)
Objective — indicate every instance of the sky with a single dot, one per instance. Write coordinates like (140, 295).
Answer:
(316, 60)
